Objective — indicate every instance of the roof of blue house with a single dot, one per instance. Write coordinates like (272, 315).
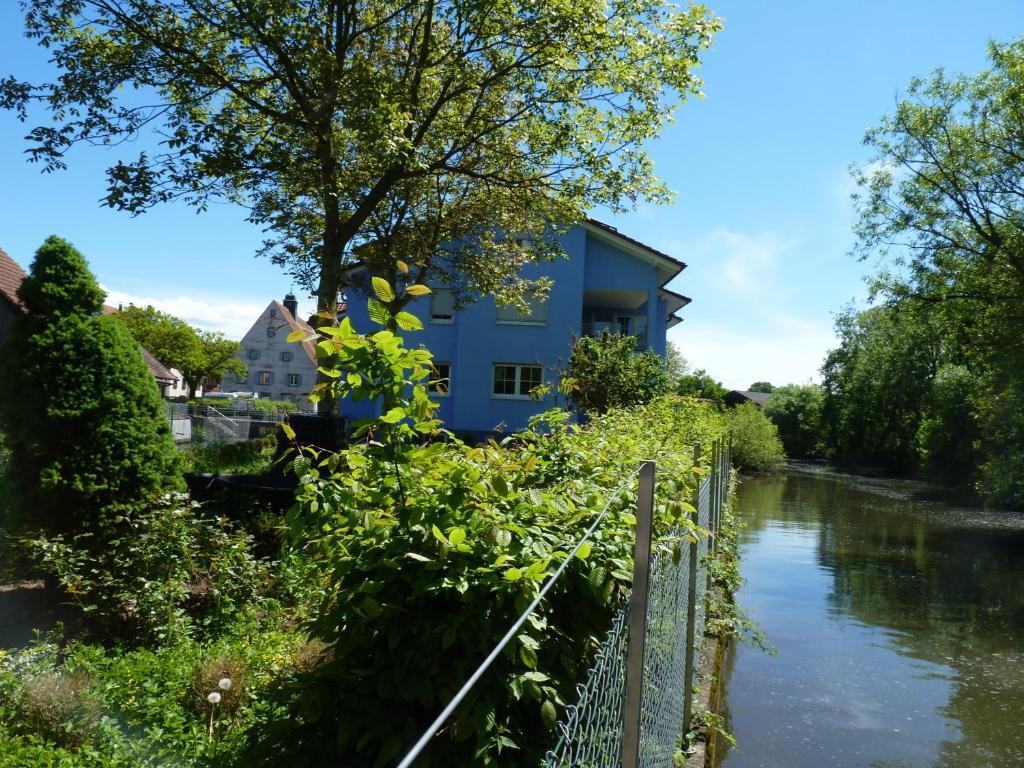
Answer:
(492, 356)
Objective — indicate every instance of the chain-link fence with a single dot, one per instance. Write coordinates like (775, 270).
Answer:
(636, 703)
(206, 425)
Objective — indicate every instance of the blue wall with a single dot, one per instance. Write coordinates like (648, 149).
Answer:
(475, 341)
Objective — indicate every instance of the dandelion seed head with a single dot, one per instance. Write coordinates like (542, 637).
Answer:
(224, 684)
(214, 697)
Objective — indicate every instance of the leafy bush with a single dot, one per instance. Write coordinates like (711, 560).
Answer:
(252, 457)
(432, 549)
(755, 440)
(81, 411)
(608, 373)
(167, 572)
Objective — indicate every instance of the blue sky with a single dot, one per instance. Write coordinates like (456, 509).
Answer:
(760, 167)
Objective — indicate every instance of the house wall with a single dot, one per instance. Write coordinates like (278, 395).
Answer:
(269, 349)
(476, 340)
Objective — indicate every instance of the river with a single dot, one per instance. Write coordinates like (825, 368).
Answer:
(899, 626)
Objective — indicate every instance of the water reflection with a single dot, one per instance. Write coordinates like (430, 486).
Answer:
(899, 624)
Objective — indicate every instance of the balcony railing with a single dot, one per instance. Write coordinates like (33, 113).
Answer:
(594, 330)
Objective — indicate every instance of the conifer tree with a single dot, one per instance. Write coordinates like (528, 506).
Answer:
(80, 409)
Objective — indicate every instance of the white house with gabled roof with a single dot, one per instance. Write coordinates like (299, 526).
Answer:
(276, 369)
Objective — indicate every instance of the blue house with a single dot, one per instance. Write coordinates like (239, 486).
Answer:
(493, 356)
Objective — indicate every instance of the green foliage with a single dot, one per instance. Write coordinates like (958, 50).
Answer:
(88, 436)
(391, 124)
(252, 457)
(430, 550)
(701, 385)
(609, 373)
(941, 201)
(762, 386)
(796, 410)
(755, 440)
(161, 574)
(199, 355)
(76, 705)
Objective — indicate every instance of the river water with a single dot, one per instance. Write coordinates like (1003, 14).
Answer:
(899, 626)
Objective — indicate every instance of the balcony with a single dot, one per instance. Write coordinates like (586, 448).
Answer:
(595, 329)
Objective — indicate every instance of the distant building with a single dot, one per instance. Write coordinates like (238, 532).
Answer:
(276, 369)
(738, 397)
(11, 276)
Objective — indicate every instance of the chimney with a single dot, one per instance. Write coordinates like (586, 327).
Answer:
(291, 305)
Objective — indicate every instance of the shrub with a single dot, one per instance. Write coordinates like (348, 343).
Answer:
(57, 707)
(169, 571)
(81, 411)
(755, 440)
(608, 373)
(430, 550)
(252, 457)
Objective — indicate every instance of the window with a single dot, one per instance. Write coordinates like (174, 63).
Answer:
(286, 357)
(515, 380)
(266, 396)
(266, 377)
(538, 314)
(294, 379)
(254, 354)
(442, 306)
(441, 380)
(273, 313)
(271, 331)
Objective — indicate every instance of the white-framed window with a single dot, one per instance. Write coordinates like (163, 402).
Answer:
(286, 357)
(442, 306)
(271, 331)
(294, 379)
(515, 380)
(266, 377)
(254, 354)
(440, 382)
(538, 314)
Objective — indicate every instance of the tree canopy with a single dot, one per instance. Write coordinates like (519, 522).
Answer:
(201, 356)
(609, 373)
(372, 130)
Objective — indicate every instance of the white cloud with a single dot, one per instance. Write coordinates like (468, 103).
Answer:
(230, 315)
(741, 262)
(783, 350)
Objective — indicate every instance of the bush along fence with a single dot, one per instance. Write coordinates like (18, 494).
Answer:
(636, 705)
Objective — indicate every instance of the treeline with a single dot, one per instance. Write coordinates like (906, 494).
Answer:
(931, 377)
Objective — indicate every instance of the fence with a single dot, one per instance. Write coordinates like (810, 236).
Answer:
(203, 425)
(636, 703)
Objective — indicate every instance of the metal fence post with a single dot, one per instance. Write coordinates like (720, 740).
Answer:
(633, 700)
(691, 605)
(714, 497)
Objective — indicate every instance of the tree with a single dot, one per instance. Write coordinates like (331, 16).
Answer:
(755, 440)
(942, 199)
(372, 129)
(609, 373)
(796, 411)
(199, 355)
(700, 384)
(762, 386)
(81, 412)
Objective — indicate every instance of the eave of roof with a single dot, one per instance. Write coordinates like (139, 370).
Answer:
(11, 276)
(673, 264)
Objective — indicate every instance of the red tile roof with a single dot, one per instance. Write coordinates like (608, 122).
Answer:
(11, 276)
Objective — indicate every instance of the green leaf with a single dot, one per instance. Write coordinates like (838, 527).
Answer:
(297, 335)
(382, 289)
(378, 312)
(513, 574)
(529, 656)
(456, 536)
(597, 578)
(288, 431)
(584, 551)
(503, 537)
(438, 535)
(408, 322)
(417, 290)
(393, 416)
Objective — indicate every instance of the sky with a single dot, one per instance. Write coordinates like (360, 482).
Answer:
(760, 167)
